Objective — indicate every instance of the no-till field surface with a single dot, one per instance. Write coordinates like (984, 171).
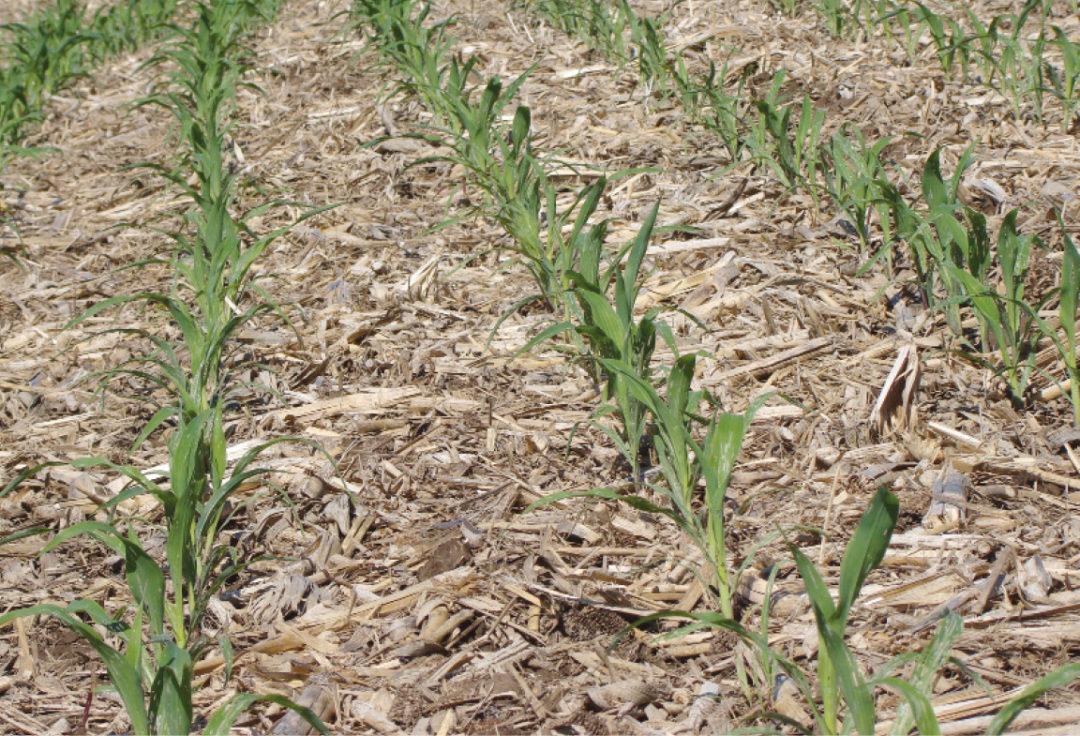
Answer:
(434, 605)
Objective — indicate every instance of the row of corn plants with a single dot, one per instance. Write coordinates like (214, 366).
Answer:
(947, 242)
(62, 42)
(591, 286)
(658, 408)
(151, 647)
(770, 131)
(469, 117)
(58, 44)
(954, 255)
(952, 251)
(616, 31)
(1026, 65)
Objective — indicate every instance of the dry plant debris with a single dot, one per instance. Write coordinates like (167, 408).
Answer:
(432, 604)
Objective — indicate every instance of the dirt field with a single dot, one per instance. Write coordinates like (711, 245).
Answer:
(434, 605)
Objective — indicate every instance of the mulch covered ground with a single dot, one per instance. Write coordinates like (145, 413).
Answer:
(433, 604)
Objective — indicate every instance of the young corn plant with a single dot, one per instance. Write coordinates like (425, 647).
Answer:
(1065, 81)
(613, 335)
(1022, 66)
(835, 14)
(647, 48)
(601, 25)
(935, 236)
(500, 161)
(549, 239)
(841, 680)
(852, 172)
(1007, 320)
(838, 673)
(162, 638)
(848, 696)
(789, 150)
(1069, 296)
(949, 39)
(39, 56)
(622, 345)
(708, 104)
(419, 50)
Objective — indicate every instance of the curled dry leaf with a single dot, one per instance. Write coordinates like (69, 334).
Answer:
(623, 693)
(982, 194)
(895, 405)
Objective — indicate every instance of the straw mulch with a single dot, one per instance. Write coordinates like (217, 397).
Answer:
(433, 605)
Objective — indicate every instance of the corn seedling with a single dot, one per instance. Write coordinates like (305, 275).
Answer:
(848, 696)
(622, 346)
(1065, 81)
(1006, 320)
(951, 248)
(161, 639)
(839, 676)
(833, 13)
(536, 224)
(161, 642)
(935, 237)
(1069, 295)
(948, 38)
(615, 31)
(615, 337)
(709, 105)
(602, 25)
(961, 253)
(787, 148)
(647, 48)
(685, 463)
(787, 7)
(986, 37)
(852, 172)
(838, 673)
(399, 31)
(1021, 70)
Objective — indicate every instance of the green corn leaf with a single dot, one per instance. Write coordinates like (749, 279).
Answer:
(27, 473)
(519, 130)
(836, 663)
(159, 417)
(220, 724)
(170, 695)
(123, 676)
(933, 185)
(1060, 677)
(866, 549)
(918, 702)
(928, 664)
(602, 316)
(678, 384)
(1070, 289)
(146, 582)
